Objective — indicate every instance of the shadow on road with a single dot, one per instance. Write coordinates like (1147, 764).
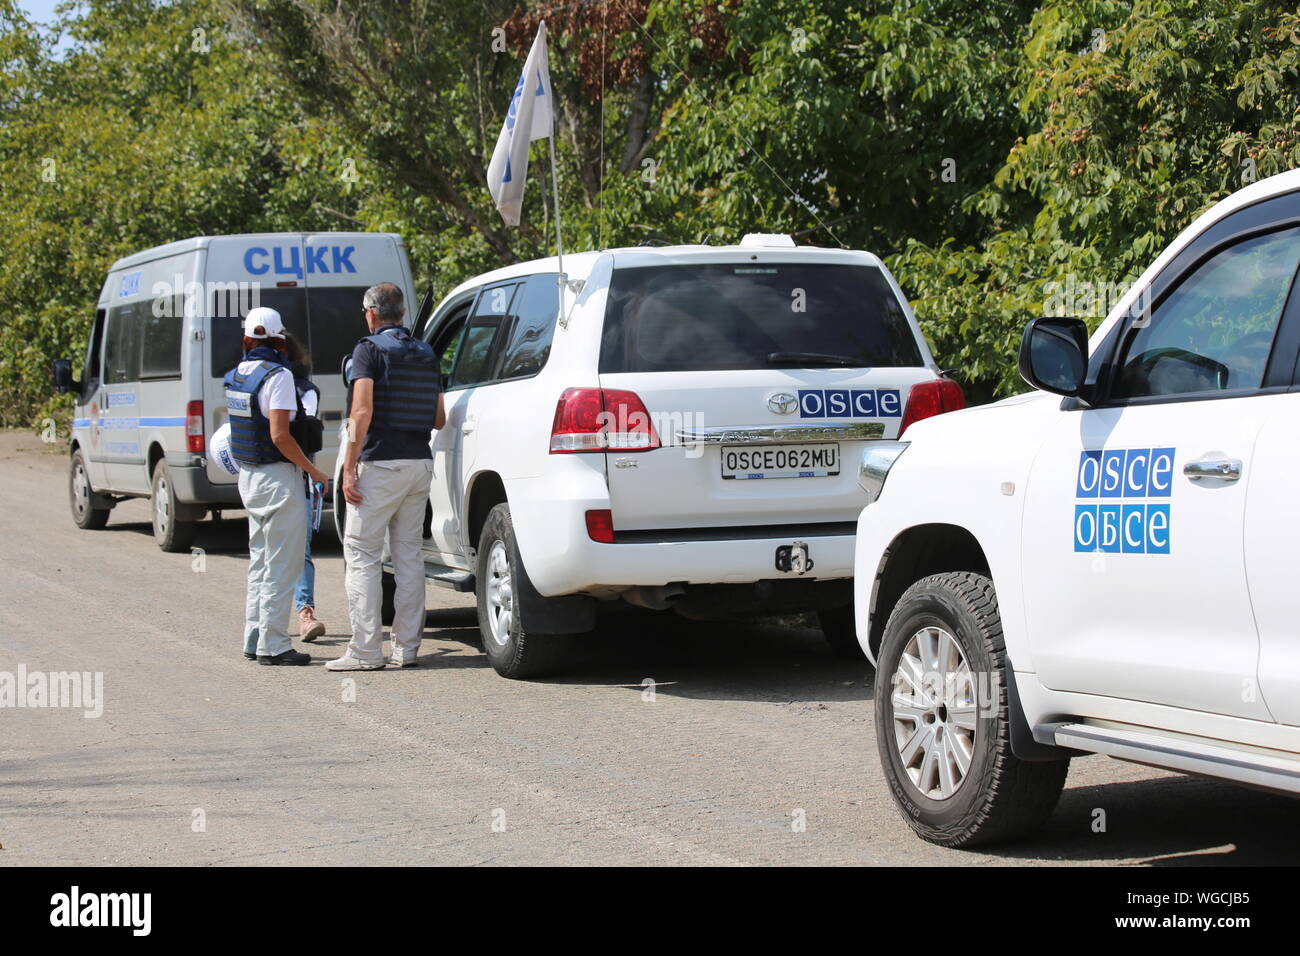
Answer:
(229, 536)
(763, 660)
(1169, 821)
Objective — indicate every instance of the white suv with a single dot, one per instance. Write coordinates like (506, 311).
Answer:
(684, 437)
(1110, 572)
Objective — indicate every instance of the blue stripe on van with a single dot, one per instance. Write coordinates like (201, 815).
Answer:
(119, 423)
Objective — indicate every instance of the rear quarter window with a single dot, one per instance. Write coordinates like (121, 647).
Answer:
(733, 316)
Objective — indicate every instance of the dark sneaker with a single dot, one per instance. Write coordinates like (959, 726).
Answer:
(249, 657)
(288, 657)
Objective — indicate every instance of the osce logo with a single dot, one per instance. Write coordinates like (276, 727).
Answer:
(850, 403)
(1130, 477)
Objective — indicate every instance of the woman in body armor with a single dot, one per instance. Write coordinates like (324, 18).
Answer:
(273, 471)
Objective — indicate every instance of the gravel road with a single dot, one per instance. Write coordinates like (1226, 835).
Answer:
(201, 757)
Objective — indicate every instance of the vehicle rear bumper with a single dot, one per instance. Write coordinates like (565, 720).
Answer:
(549, 517)
(586, 565)
(193, 486)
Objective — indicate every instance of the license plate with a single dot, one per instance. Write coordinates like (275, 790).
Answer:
(781, 461)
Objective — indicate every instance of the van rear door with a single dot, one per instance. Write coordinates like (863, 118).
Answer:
(764, 380)
(339, 267)
(242, 273)
(316, 283)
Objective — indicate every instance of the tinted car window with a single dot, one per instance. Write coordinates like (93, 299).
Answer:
(94, 349)
(161, 331)
(1214, 331)
(122, 346)
(474, 357)
(336, 324)
(229, 309)
(445, 336)
(535, 311)
(733, 316)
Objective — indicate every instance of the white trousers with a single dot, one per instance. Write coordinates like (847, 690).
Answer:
(276, 501)
(393, 497)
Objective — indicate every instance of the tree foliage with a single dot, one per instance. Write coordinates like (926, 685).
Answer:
(991, 152)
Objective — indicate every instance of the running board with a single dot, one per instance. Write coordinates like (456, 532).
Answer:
(446, 577)
(1256, 766)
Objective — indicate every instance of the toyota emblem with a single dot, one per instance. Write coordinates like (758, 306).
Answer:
(783, 403)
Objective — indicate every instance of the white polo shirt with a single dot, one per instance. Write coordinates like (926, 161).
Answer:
(277, 391)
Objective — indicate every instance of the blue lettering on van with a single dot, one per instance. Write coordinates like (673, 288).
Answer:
(291, 268)
(850, 403)
(288, 260)
(130, 285)
(1121, 475)
(255, 268)
(316, 259)
(343, 258)
(120, 398)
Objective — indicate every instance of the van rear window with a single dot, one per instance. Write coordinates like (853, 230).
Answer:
(326, 321)
(680, 318)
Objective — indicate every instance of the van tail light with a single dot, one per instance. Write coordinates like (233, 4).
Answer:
(600, 526)
(194, 427)
(928, 399)
(594, 419)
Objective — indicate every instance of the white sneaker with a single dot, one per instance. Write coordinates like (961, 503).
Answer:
(349, 663)
(403, 660)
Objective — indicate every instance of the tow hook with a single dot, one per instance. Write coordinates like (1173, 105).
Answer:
(794, 558)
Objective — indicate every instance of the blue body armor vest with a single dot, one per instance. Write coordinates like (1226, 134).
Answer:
(406, 397)
(250, 430)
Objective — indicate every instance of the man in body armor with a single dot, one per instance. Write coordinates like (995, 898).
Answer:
(263, 403)
(387, 468)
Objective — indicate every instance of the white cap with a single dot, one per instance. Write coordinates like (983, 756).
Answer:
(268, 319)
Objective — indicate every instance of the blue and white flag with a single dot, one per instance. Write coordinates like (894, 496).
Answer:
(530, 117)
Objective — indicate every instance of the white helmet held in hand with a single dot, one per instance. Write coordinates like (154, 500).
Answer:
(219, 450)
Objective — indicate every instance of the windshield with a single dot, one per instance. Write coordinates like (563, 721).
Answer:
(745, 316)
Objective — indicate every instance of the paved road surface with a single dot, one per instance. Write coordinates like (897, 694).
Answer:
(203, 758)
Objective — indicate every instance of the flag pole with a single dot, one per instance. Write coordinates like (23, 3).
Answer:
(559, 241)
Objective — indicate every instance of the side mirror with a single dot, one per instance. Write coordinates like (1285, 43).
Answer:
(63, 380)
(1054, 355)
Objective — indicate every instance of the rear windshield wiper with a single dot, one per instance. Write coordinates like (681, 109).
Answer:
(813, 358)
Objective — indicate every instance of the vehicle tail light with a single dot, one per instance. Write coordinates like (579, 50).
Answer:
(593, 419)
(600, 526)
(194, 427)
(928, 399)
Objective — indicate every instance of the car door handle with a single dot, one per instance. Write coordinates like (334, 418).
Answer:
(1224, 469)
(468, 425)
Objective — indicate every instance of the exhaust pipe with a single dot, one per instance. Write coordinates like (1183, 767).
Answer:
(655, 598)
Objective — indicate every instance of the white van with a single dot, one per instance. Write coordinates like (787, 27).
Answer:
(683, 436)
(168, 327)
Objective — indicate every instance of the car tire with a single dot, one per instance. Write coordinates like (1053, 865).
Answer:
(171, 534)
(841, 632)
(82, 498)
(944, 634)
(511, 649)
